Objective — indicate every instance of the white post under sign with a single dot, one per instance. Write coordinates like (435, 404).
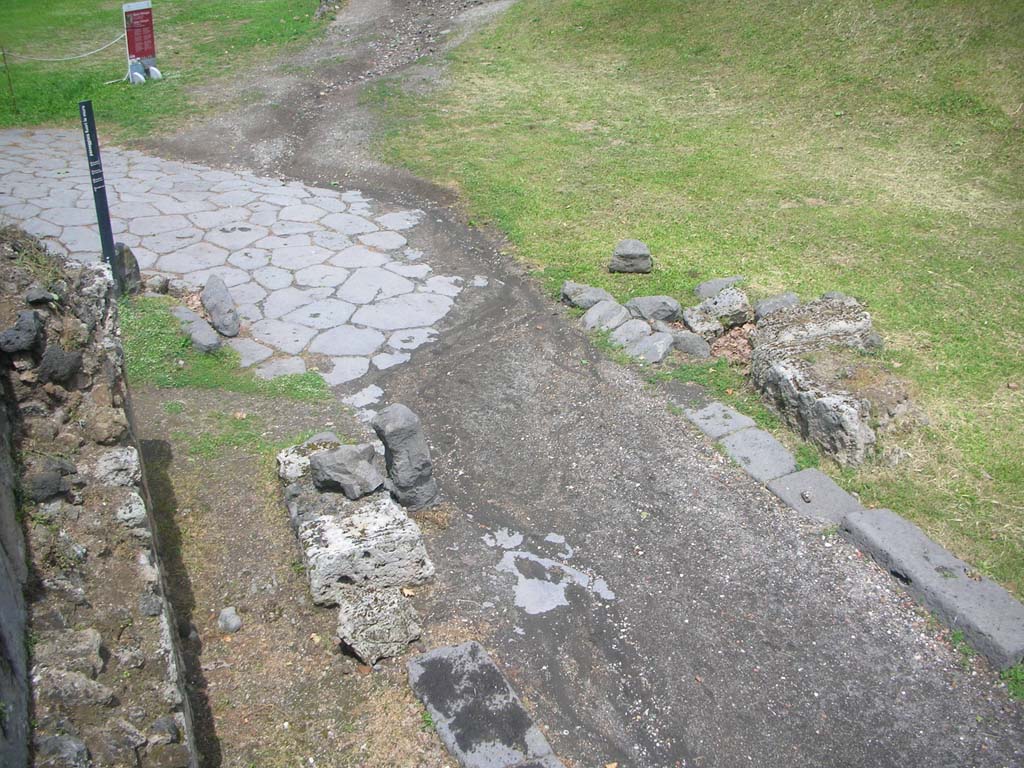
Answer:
(140, 41)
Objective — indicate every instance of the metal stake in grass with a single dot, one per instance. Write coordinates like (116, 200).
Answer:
(10, 84)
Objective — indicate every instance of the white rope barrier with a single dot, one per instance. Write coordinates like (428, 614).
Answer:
(14, 55)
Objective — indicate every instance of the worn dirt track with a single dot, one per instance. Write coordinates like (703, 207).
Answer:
(737, 635)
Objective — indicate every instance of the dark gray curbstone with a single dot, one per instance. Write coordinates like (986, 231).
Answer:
(991, 620)
(762, 456)
(717, 420)
(814, 494)
(475, 711)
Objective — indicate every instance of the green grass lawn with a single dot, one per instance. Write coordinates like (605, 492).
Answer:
(195, 40)
(869, 146)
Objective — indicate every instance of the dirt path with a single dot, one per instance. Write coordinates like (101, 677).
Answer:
(655, 606)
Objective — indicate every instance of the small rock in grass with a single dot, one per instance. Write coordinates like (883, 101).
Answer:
(605, 316)
(156, 283)
(583, 296)
(630, 331)
(654, 308)
(651, 349)
(631, 256)
(730, 307)
(691, 344)
(204, 337)
(229, 621)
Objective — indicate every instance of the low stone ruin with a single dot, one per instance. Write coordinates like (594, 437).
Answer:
(101, 667)
(360, 548)
(809, 361)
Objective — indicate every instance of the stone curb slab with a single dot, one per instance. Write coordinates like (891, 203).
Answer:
(762, 456)
(717, 420)
(475, 711)
(991, 620)
(813, 494)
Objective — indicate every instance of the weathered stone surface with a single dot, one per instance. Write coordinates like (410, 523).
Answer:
(813, 494)
(631, 256)
(702, 324)
(773, 304)
(655, 308)
(125, 270)
(583, 296)
(106, 425)
(119, 466)
(717, 420)
(72, 689)
(116, 743)
(59, 366)
(75, 651)
(730, 307)
(348, 469)
(762, 456)
(25, 335)
(692, 344)
(713, 287)
(630, 331)
(220, 306)
(204, 338)
(651, 349)
(475, 711)
(41, 486)
(131, 512)
(250, 352)
(36, 294)
(407, 455)
(228, 620)
(605, 316)
(376, 547)
(378, 624)
(834, 420)
(293, 463)
(991, 620)
(61, 752)
(156, 283)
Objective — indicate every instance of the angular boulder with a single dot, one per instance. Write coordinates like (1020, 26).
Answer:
(652, 308)
(631, 256)
(378, 624)
(651, 349)
(630, 331)
(583, 296)
(220, 306)
(701, 323)
(25, 335)
(605, 316)
(407, 456)
(293, 463)
(730, 307)
(348, 469)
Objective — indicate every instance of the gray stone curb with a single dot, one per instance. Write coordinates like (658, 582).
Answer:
(718, 420)
(762, 456)
(475, 711)
(991, 620)
(813, 494)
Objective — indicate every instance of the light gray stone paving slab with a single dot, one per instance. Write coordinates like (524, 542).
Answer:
(193, 257)
(286, 228)
(325, 314)
(249, 352)
(277, 241)
(39, 227)
(273, 278)
(170, 205)
(250, 312)
(386, 360)
(145, 257)
(332, 241)
(302, 212)
(69, 217)
(364, 397)
(281, 366)
(412, 271)
(359, 256)
(444, 285)
(346, 340)
(369, 284)
(991, 620)
(813, 494)
(229, 275)
(288, 337)
(77, 239)
(762, 456)
(321, 276)
(348, 224)
(298, 256)
(385, 241)
(328, 204)
(346, 369)
(264, 218)
(400, 220)
(411, 339)
(475, 711)
(249, 259)
(248, 293)
(222, 217)
(156, 225)
(237, 197)
(235, 236)
(718, 420)
(168, 242)
(413, 310)
(285, 300)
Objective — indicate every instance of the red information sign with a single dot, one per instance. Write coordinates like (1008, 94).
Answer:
(138, 28)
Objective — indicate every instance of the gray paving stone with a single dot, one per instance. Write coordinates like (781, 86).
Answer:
(475, 711)
(156, 225)
(762, 456)
(411, 339)
(400, 220)
(321, 276)
(169, 242)
(717, 420)
(298, 256)
(229, 275)
(302, 212)
(249, 259)
(273, 278)
(359, 256)
(385, 241)
(222, 217)
(328, 204)
(412, 271)
(285, 300)
(250, 352)
(332, 241)
(369, 284)
(69, 217)
(322, 314)
(991, 620)
(444, 284)
(270, 242)
(346, 369)
(248, 293)
(77, 239)
(413, 310)
(193, 257)
(288, 337)
(346, 340)
(235, 236)
(250, 312)
(813, 494)
(281, 366)
(386, 360)
(348, 224)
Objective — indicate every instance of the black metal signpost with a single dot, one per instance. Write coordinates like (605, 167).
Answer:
(99, 187)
